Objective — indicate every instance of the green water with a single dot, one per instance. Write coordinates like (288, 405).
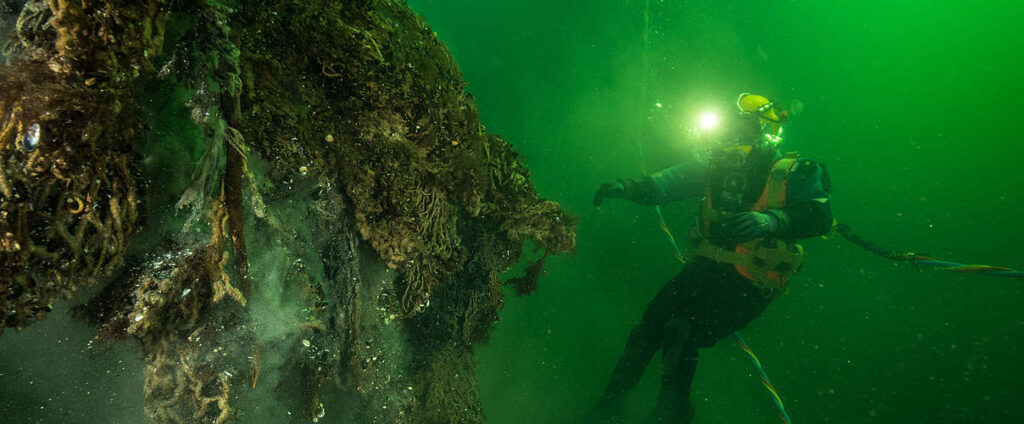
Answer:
(913, 105)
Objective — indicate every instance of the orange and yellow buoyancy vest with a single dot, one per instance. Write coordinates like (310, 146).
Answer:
(766, 262)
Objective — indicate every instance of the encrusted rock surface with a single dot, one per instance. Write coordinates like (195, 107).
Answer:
(286, 200)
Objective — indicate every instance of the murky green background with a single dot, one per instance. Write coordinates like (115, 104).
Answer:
(915, 106)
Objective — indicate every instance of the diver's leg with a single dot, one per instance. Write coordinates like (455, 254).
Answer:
(679, 363)
(644, 340)
(725, 303)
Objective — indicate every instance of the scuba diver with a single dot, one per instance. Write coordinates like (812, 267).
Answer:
(756, 204)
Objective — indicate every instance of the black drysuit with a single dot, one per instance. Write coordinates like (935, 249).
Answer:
(708, 301)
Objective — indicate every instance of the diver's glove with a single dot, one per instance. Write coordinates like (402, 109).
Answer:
(747, 226)
(613, 189)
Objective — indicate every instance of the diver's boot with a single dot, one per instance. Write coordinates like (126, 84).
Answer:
(671, 411)
(608, 410)
(640, 347)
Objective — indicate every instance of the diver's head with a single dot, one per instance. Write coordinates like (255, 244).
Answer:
(769, 119)
(762, 108)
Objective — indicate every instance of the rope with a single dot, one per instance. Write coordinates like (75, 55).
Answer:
(918, 260)
(764, 377)
(668, 234)
(995, 271)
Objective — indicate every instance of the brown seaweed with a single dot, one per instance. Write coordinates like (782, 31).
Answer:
(358, 153)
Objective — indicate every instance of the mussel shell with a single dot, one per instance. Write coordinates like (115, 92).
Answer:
(30, 140)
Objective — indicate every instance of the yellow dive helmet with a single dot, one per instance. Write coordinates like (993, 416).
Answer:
(771, 118)
(762, 107)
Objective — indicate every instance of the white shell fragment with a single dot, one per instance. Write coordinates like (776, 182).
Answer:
(30, 141)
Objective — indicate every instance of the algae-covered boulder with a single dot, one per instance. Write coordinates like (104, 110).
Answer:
(289, 205)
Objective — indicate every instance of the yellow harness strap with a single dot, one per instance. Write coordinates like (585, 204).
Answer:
(774, 194)
(766, 262)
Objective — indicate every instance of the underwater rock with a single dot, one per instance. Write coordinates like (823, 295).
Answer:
(348, 214)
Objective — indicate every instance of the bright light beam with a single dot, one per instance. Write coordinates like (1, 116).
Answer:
(708, 121)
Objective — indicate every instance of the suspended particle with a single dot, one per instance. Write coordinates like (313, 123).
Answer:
(796, 107)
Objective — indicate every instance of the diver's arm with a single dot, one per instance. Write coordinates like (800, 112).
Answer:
(809, 213)
(676, 183)
(803, 220)
(683, 181)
